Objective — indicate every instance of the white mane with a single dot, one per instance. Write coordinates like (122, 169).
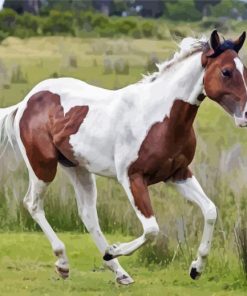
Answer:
(187, 46)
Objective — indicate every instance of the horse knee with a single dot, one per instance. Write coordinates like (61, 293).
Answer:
(33, 200)
(151, 235)
(152, 230)
(32, 207)
(29, 205)
(89, 217)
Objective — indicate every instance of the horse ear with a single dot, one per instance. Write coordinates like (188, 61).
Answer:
(239, 42)
(214, 40)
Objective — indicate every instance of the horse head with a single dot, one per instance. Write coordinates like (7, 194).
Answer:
(225, 75)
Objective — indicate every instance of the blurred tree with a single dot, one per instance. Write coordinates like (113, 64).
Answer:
(149, 8)
(17, 5)
(64, 5)
(205, 6)
(104, 6)
(21, 6)
(59, 22)
(82, 5)
(145, 8)
(8, 19)
(119, 7)
(182, 10)
(228, 8)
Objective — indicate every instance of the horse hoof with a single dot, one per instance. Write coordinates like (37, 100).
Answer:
(63, 272)
(124, 280)
(194, 274)
(108, 257)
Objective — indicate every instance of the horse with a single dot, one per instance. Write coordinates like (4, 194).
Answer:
(141, 134)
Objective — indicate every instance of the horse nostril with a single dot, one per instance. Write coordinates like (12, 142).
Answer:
(245, 114)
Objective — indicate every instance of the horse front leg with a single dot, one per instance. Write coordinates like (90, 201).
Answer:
(191, 190)
(137, 192)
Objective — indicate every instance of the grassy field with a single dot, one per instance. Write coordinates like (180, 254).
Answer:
(26, 262)
(27, 269)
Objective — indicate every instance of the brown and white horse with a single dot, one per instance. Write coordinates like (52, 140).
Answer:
(141, 134)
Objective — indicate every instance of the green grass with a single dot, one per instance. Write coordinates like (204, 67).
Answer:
(26, 268)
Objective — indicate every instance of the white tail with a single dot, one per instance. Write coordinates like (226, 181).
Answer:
(9, 150)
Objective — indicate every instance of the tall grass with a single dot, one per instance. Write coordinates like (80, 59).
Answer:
(241, 241)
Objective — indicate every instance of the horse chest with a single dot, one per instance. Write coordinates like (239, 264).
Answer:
(166, 149)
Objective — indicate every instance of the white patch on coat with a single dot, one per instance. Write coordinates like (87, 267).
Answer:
(241, 121)
(240, 68)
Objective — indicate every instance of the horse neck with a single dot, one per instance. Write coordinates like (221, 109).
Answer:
(182, 81)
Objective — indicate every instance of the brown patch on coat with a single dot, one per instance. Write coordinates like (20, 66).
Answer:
(62, 126)
(165, 154)
(45, 132)
(138, 186)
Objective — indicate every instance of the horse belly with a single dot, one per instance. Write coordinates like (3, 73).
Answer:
(93, 146)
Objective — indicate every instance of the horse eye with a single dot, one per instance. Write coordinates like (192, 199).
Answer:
(226, 73)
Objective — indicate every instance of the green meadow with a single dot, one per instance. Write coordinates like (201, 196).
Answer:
(27, 269)
(160, 268)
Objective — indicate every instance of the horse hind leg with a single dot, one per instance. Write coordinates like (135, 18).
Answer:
(33, 201)
(86, 197)
(41, 161)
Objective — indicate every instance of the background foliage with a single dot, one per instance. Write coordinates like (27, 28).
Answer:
(83, 19)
